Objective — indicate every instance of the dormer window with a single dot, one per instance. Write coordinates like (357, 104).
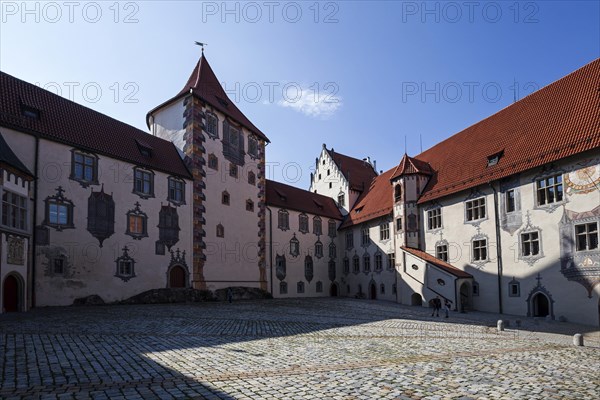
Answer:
(30, 112)
(494, 158)
(145, 149)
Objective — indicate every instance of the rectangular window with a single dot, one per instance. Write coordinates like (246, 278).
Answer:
(84, 167)
(365, 236)
(530, 244)
(59, 265)
(317, 227)
(391, 260)
(434, 219)
(136, 224)
(234, 138)
(176, 190)
(252, 146)
(378, 262)
(549, 190)
(283, 221)
(356, 265)
(510, 201)
(586, 236)
(331, 228)
(475, 209)
(58, 214)
(346, 265)
(349, 240)
(341, 200)
(480, 250)
(14, 211)
(125, 268)
(441, 252)
(143, 182)
(233, 170)
(398, 224)
(384, 231)
(211, 125)
(367, 263)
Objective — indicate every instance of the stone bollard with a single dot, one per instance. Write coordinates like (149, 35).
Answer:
(500, 325)
(578, 339)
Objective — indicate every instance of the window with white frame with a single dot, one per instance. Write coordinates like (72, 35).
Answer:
(549, 190)
(441, 252)
(586, 236)
(391, 260)
(480, 250)
(434, 218)
(384, 231)
(475, 209)
(212, 127)
(365, 238)
(14, 211)
(530, 244)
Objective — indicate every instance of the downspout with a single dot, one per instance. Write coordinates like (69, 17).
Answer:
(271, 246)
(35, 213)
(498, 247)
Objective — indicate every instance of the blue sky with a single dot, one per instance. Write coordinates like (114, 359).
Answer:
(359, 76)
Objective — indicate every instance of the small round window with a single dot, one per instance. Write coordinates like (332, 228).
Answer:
(441, 282)
(414, 266)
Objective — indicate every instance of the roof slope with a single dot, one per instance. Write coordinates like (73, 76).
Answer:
(377, 202)
(204, 83)
(557, 121)
(290, 197)
(65, 121)
(358, 172)
(8, 157)
(459, 273)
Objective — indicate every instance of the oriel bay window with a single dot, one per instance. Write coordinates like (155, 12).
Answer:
(137, 223)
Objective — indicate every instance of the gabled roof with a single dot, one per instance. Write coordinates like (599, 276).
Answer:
(377, 202)
(10, 159)
(359, 173)
(56, 118)
(409, 165)
(292, 198)
(204, 84)
(557, 121)
(459, 273)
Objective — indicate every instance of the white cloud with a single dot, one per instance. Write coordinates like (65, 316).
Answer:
(312, 102)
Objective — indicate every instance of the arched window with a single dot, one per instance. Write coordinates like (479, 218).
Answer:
(318, 249)
(213, 162)
(251, 178)
(294, 246)
(303, 223)
(300, 287)
(225, 199)
(317, 227)
(308, 268)
(331, 228)
(332, 250)
(220, 231)
(319, 287)
(249, 205)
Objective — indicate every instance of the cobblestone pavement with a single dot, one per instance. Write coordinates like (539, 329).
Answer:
(289, 349)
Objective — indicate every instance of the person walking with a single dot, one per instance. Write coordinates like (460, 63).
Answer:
(447, 306)
(437, 304)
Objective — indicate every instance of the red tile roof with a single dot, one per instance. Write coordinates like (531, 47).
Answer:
(204, 84)
(377, 202)
(557, 121)
(459, 273)
(409, 165)
(70, 123)
(292, 198)
(359, 173)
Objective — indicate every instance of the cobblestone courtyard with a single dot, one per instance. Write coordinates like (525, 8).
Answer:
(288, 349)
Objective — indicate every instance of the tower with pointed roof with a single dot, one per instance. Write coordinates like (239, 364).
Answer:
(225, 153)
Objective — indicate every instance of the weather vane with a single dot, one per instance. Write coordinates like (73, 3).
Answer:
(201, 45)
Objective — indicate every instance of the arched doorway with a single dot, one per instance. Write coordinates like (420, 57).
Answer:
(333, 290)
(541, 305)
(372, 291)
(465, 297)
(177, 277)
(11, 290)
(416, 300)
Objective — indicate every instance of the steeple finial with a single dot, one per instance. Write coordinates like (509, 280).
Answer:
(201, 45)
